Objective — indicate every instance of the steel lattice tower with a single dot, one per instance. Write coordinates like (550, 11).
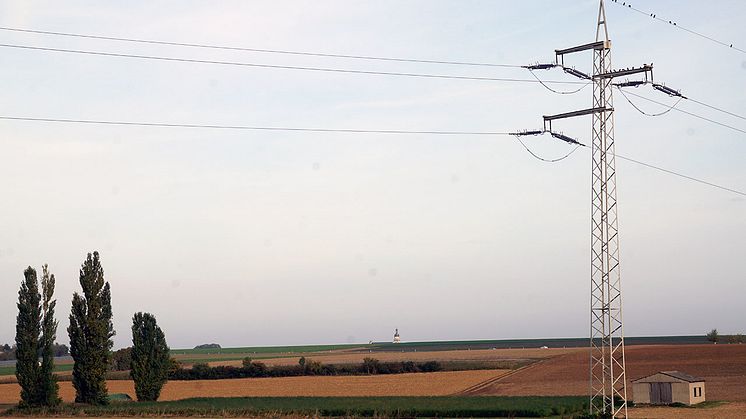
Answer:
(608, 378)
(608, 389)
(607, 366)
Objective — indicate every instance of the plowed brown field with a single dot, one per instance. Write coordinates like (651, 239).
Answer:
(727, 411)
(419, 384)
(722, 366)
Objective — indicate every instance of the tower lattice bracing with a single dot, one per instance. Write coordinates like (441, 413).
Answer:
(608, 379)
(607, 366)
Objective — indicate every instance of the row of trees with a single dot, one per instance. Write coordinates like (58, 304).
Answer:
(714, 336)
(90, 331)
(8, 352)
(254, 369)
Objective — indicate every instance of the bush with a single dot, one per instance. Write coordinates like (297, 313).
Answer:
(208, 346)
(431, 366)
(253, 369)
(121, 359)
(371, 365)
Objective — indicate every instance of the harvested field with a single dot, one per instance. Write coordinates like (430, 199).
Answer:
(11, 393)
(722, 366)
(726, 411)
(475, 355)
(419, 384)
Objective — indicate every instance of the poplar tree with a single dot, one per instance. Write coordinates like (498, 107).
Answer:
(28, 324)
(90, 331)
(48, 388)
(150, 357)
(36, 317)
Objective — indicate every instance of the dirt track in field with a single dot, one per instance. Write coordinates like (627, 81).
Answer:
(722, 366)
(418, 384)
(461, 355)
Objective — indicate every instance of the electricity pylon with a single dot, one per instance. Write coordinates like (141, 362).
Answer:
(608, 380)
(608, 388)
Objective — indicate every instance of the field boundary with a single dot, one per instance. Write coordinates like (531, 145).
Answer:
(486, 383)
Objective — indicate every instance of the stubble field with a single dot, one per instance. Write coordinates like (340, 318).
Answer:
(722, 366)
(558, 372)
(417, 384)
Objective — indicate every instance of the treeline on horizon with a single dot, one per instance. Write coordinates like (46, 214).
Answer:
(8, 352)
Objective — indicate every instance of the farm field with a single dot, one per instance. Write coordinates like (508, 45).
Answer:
(552, 372)
(269, 352)
(722, 366)
(417, 384)
(725, 411)
(482, 355)
(287, 353)
(476, 359)
(341, 406)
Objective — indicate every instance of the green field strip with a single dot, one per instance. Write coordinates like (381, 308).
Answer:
(486, 406)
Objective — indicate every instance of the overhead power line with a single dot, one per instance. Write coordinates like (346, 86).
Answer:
(544, 159)
(284, 67)
(559, 92)
(246, 127)
(670, 108)
(347, 131)
(671, 172)
(677, 26)
(689, 113)
(261, 50)
(715, 108)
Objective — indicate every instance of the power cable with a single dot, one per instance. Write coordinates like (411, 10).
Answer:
(674, 24)
(262, 50)
(518, 137)
(671, 172)
(690, 113)
(245, 127)
(717, 109)
(350, 131)
(284, 67)
(670, 108)
(557, 91)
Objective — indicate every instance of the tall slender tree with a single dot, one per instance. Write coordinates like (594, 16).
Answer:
(91, 330)
(48, 387)
(28, 324)
(150, 357)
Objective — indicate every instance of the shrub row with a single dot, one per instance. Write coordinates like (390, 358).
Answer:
(253, 369)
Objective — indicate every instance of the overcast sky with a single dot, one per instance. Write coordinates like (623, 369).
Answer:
(264, 238)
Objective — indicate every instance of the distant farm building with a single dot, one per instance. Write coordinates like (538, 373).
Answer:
(397, 339)
(668, 387)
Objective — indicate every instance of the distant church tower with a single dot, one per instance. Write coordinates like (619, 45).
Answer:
(397, 339)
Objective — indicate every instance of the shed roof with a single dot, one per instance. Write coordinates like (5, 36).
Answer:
(675, 374)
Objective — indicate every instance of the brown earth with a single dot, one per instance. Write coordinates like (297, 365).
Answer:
(722, 366)
(726, 411)
(460, 355)
(418, 384)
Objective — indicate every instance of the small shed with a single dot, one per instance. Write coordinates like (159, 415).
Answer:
(667, 387)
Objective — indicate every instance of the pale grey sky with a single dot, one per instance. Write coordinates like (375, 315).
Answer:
(258, 238)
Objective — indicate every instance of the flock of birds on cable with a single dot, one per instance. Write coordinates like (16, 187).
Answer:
(654, 16)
